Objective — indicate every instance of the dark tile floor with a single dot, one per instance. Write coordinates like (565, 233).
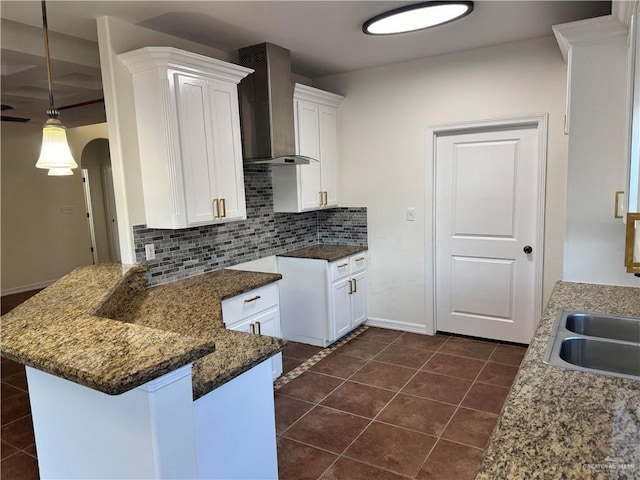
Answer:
(386, 405)
(392, 405)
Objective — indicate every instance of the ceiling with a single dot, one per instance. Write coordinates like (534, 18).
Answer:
(324, 37)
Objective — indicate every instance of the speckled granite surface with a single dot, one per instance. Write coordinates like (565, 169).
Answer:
(101, 328)
(330, 253)
(562, 424)
(193, 307)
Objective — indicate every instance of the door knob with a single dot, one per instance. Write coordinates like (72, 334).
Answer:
(527, 249)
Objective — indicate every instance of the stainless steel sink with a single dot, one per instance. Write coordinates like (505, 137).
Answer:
(596, 343)
(595, 354)
(616, 328)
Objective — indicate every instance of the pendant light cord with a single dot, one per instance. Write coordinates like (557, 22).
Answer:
(52, 111)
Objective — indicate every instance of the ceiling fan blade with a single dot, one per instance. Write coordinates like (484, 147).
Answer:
(6, 118)
(82, 104)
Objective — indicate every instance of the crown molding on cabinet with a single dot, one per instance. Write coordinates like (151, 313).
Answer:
(315, 95)
(149, 58)
(587, 31)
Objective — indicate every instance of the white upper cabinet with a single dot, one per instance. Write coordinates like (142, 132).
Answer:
(309, 187)
(189, 137)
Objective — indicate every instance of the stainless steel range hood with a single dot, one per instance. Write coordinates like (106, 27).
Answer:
(266, 107)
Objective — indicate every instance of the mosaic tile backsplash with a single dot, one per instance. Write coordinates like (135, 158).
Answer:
(187, 252)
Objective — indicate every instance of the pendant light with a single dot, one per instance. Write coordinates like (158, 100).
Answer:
(55, 154)
(419, 16)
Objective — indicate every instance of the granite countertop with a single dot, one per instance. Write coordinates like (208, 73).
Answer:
(559, 423)
(100, 327)
(330, 253)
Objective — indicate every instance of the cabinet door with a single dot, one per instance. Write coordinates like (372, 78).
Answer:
(196, 145)
(328, 122)
(243, 325)
(358, 299)
(308, 144)
(227, 151)
(270, 325)
(340, 308)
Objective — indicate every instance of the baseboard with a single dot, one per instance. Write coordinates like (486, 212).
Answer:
(396, 325)
(26, 288)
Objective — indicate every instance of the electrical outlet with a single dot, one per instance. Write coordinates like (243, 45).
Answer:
(150, 251)
(411, 214)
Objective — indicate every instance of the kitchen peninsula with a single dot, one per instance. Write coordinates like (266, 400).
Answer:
(127, 382)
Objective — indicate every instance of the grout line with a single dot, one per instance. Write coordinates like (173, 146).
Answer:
(456, 411)
(385, 406)
(306, 365)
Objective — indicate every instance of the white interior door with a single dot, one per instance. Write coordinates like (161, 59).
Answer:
(487, 210)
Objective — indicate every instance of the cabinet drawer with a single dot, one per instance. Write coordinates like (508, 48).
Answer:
(242, 306)
(339, 269)
(358, 262)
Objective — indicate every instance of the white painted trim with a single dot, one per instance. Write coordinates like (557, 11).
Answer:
(623, 10)
(315, 95)
(86, 188)
(167, 379)
(540, 122)
(154, 58)
(125, 228)
(587, 31)
(396, 325)
(26, 288)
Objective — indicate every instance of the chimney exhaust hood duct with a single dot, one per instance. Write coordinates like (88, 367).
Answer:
(266, 107)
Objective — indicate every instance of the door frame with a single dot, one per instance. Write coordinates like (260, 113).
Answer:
(537, 121)
(89, 208)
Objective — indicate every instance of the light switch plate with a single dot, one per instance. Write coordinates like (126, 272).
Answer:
(150, 251)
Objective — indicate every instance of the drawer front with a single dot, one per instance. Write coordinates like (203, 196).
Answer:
(358, 262)
(339, 269)
(242, 306)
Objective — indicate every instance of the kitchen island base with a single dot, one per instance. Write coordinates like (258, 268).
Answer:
(155, 431)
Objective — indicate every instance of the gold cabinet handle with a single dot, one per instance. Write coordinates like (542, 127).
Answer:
(565, 125)
(629, 260)
(617, 204)
(350, 288)
(259, 328)
(252, 299)
(216, 208)
(321, 199)
(252, 327)
(223, 204)
(342, 265)
(326, 201)
(355, 286)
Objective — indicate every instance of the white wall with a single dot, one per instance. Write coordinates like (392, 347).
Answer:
(115, 37)
(595, 240)
(39, 243)
(383, 122)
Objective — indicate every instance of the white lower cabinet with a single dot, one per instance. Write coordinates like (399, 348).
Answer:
(321, 301)
(258, 312)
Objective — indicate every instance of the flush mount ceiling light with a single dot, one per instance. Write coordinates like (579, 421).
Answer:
(417, 17)
(55, 154)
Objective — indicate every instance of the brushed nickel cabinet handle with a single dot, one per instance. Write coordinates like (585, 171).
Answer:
(259, 328)
(617, 205)
(355, 286)
(252, 299)
(216, 208)
(253, 328)
(223, 203)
